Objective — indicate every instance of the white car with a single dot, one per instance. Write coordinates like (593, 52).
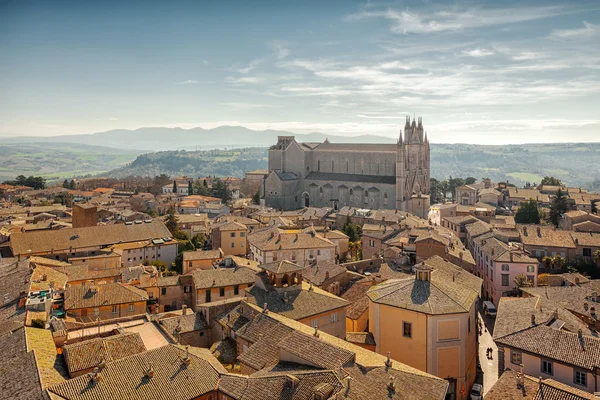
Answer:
(476, 392)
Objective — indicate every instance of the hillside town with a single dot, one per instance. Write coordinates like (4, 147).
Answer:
(343, 283)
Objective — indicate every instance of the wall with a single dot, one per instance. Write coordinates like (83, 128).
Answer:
(239, 243)
(215, 293)
(105, 312)
(386, 322)
(358, 325)
(326, 324)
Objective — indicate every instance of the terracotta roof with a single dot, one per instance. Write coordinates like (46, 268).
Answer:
(186, 323)
(450, 290)
(586, 239)
(77, 297)
(202, 255)
(20, 379)
(357, 296)
(87, 354)
(315, 351)
(360, 338)
(274, 238)
(323, 270)
(64, 239)
(222, 277)
(126, 378)
(282, 267)
(537, 235)
(560, 345)
(299, 304)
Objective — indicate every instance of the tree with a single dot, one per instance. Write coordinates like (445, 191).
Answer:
(351, 230)
(521, 280)
(190, 188)
(171, 221)
(221, 190)
(558, 207)
(175, 187)
(453, 183)
(72, 184)
(436, 191)
(597, 256)
(528, 213)
(470, 180)
(66, 184)
(550, 181)
(200, 189)
(199, 241)
(558, 262)
(256, 197)
(34, 182)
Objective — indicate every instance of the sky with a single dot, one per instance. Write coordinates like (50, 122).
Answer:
(476, 72)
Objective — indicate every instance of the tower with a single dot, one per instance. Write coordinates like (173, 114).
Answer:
(412, 163)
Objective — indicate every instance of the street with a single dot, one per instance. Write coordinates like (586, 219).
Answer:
(489, 367)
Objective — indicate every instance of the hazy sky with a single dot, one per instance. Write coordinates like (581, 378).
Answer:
(478, 72)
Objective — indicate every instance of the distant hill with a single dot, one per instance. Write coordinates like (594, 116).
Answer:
(122, 152)
(159, 139)
(59, 160)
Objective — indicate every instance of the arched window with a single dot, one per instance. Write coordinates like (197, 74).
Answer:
(318, 165)
(320, 190)
(351, 192)
(366, 193)
(347, 164)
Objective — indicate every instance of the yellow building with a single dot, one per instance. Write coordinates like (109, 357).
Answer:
(103, 302)
(230, 236)
(201, 259)
(429, 321)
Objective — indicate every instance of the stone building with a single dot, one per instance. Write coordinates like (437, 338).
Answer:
(360, 175)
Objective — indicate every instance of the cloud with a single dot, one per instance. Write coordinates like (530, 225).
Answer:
(477, 53)
(245, 80)
(280, 49)
(587, 31)
(252, 65)
(242, 105)
(113, 119)
(454, 19)
(188, 82)
(204, 62)
(527, 56)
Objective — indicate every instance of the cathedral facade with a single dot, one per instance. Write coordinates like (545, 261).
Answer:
(373, 176)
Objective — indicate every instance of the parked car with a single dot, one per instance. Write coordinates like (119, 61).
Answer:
(476, 392)
(489, 309)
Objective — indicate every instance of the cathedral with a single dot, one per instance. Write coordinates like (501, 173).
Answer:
(373, 176)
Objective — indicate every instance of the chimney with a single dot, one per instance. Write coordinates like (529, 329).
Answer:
(555, 314)
(391, 385)
(187, 360)
(265, 308)
(388, 362)
(579, 333)
(149, 372)
(524, 231)
(272, 234)
(184, 309)
(316, 333)
(539, 231)
(532, 319)
(292, 381)
(95, 376)
(326, 274)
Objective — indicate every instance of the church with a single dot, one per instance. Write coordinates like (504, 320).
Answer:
(373, 176)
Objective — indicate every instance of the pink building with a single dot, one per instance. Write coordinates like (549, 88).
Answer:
(499, 264)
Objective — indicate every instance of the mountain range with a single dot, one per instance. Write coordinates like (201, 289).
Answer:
(159, 138)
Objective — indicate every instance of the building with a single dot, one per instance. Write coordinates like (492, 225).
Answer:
(280, 288)
(220, 284)
(139, 241)
(189, 328)
(541, 241)
(499, 264)
(230, 237)
(82, 357)
(514, 385)
(362, 175)
(547, 341)
(466, 195)
(102, 302)
(300, 247)
(84, 215)
(193, 224)
(429, 321)
(201, 259)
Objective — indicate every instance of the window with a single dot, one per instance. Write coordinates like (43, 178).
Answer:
(407, 330)
(242, 244)
(505, 279)
(505, 267)
(189, 264)
(236, 289)
(516, 357)
(332, 166)
(351, 192)
(242, 234)
(314, 323)
(530, 278)
(163, 291)
(115, 309)
(321, 190)
(530, 268)
(293, 256)
(96, 311)
(347, 168)
(131, 308)
(222, 291)
(318, 252)
(547, 367)
(232, 234)
(587, 252)
(232, 245)
(311, 253)
(580, 378)
(187, 289)
(372, 243)
(334, 317)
